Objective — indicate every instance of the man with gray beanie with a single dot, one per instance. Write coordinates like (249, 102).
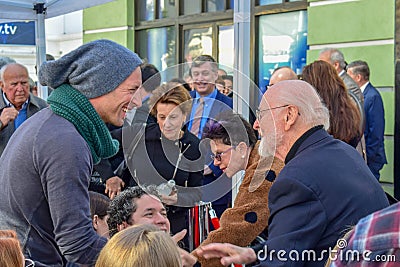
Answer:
(45, 168)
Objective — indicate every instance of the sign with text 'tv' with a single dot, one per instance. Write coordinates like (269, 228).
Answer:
(17, 33)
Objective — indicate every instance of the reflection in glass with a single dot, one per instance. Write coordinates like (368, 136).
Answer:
(197, 42)
(215, 5)
(226, 52)
(145, 9)
(270, 2)
(231, 4)
(157, 46)
(166, 9)
(191, 7)
(282, 41)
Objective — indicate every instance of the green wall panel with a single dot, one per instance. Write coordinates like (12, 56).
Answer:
(114, 14)
(387, 171)
(351, 21)
(124, 38)
(380, 59)
(388, 104)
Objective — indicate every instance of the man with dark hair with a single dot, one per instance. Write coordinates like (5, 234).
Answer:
(137, 205)
(374, 115)
(151, 80)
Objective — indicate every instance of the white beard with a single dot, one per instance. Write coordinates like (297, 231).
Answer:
(268, 146)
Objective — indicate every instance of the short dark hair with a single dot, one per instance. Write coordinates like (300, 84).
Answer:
(150, 71)
(200, 60)
(231, 129)
(98, 204)
(123, 206)
(227, 77)
(360, 67)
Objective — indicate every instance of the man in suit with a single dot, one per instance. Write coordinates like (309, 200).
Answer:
(17, 104)
(204, 72)
(374, 114)
(336, 58)
(324, 187)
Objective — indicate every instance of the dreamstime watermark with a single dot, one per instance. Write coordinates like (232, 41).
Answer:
(333, 254)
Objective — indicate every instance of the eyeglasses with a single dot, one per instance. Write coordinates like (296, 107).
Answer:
(29, 263)
(218, 155)
(259, 112)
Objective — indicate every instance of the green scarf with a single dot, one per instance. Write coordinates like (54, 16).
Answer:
(70, 104)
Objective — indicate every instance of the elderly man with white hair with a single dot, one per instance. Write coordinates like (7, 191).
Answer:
(324, 187)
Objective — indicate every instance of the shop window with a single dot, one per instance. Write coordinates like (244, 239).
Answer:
(197, 42)
(157, 46)
(226, 53)
(282, 41)
(192, 7)
(270, 2)
(273, 2)
(166, 9)
(145, 9)
(215, 5)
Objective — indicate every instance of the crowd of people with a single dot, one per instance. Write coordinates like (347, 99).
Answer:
(105, 171)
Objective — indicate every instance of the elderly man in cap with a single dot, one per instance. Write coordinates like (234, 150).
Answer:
(324, 188)
(46, 166)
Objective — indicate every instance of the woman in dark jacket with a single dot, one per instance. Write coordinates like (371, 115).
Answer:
(169, 153)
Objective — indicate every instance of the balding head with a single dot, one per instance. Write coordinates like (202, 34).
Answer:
(282, 74)
(288, 109)
(334, 57)
(305, 97)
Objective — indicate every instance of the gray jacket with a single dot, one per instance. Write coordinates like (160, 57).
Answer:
(352, 86)
(34, 105)
(44, 177)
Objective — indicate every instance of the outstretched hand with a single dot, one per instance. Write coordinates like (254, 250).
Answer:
(228, 253)
(187, 259)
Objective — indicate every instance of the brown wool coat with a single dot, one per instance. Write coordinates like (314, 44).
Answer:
(250, 198)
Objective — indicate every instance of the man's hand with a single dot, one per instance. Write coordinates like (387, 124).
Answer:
(7, 115)
(187, 259)
(228, 253)
(170, 200)
(114, 186)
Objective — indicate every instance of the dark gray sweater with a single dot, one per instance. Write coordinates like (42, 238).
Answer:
(44, 178)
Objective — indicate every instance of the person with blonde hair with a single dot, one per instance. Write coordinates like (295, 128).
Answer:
(140, 245)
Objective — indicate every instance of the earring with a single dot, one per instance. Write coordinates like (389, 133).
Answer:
(242, 156)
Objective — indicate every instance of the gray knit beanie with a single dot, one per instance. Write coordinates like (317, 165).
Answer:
(94, 69)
